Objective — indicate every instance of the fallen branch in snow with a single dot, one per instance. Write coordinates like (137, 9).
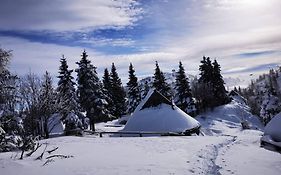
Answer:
(34, 150)
(48, 161)
(41, 156)
(50, 151)
(59, 156)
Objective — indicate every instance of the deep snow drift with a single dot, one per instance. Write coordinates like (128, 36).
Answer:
(225, 149)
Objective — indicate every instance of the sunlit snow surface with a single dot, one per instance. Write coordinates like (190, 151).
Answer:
(225, 149)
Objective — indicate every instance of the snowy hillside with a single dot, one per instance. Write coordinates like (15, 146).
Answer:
(264, 95)
(227, 119)
(225, 149)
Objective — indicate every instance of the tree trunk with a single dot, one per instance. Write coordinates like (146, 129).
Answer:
(93, 125)
(92, 121)
(46, 129)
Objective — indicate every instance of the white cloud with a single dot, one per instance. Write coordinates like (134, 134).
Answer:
(219, 29)
(108, 42)
(184, 30)
(60, 15)
(39, 57)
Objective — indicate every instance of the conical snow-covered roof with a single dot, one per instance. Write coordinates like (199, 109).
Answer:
(273, 128)
(158, 114)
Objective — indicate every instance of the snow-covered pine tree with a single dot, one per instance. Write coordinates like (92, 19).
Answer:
(204, 88)
(270, 105)
(145, 90)
(211, 85)
(90, 93)
(8, 94)
(219, 92)
(134, 93)
(206, 69)
(66, 94)
(47, 101)
(183, 96)
(160, 83)
(107, 89)
(9, 121)
(118, 93)
(106, 80)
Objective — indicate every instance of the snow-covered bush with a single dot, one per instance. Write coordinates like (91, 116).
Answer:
(76, 122)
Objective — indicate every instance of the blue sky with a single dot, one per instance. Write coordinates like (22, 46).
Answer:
(243, 35)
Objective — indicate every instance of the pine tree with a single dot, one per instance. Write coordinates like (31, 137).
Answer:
(183, 96)
(134, 93)
(211, 85)
(205, 95)
(206, 69)
(47, 101)
(66, 98)
(107, 89)
(219, 92)
(145, 90)
(90, 93)
(8, 94)
(106, 80)
(160, 82)
(270, 106)
(239, 90)
(117, 93)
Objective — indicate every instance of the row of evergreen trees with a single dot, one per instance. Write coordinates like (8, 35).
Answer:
(210, 88)
(107, 99)
(35, 100)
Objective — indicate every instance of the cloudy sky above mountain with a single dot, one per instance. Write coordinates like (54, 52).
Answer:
(243, 35)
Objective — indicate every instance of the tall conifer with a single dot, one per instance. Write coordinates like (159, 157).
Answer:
(160, 83)
(134, 93)
(90, 93)
(183, 96)
(118, 93)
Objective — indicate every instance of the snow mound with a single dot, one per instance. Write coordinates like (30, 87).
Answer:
(162, 117)
(273, 128)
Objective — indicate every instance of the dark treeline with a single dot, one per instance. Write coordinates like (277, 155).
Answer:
(29, 103)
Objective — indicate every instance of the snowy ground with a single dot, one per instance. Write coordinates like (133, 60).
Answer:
(225, 149)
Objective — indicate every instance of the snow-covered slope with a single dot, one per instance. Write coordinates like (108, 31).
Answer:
(227, 119)
(225, 149)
